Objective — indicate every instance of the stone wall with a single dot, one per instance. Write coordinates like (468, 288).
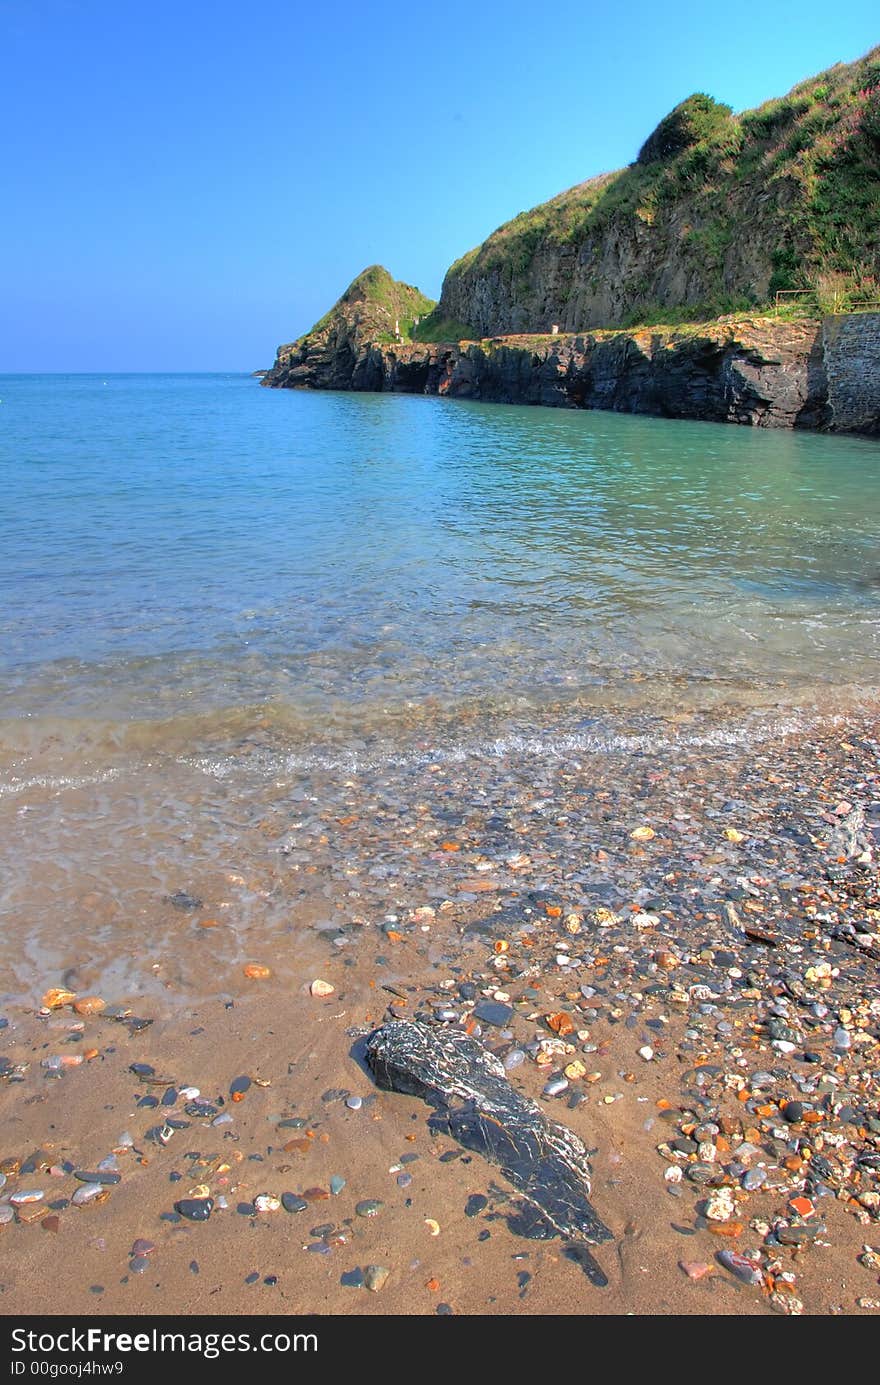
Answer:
(852, 367)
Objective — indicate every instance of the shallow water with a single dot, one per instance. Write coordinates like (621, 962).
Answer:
(219, 602)
(183, 545)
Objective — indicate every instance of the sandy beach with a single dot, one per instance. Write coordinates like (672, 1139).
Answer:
(689, 932)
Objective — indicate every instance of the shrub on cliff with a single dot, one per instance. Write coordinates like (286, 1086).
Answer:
(698, 118)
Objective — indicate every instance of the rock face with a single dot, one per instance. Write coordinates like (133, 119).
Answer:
(718, 213)
(758, 372)
(375, 310)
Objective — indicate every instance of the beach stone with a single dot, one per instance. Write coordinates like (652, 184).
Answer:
(255, 971)
(138, 1264)
(375, 1277)
(89, 1005)
(337, 1183)
(87, 1193)
(369, 1207)
(352, 1279)
(195, 1208)
(321, 988)
(493, 1012)
(354, 1103)
(183, 900)
(475, 1204)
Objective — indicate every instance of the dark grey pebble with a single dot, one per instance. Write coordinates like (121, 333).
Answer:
(170, 1097)
(800, 1235)
(271, 1280)
(475, 1205)
(141, 1069)
(443, 1310)
(139, 1264)
(246, 1209)
(181, 900)
(109, 1178)
(252, 1277)
(493, 1012)
(404, 1180)
(194, 1266)
(292, 1123)
(291, 1203)
(239, 1084)
(335, 1094)
(195, 1208)
(793, 1111)
(352, 1279)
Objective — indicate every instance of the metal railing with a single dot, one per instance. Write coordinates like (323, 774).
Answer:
(860, 306)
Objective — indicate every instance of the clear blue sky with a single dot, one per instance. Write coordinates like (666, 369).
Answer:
(186, 184)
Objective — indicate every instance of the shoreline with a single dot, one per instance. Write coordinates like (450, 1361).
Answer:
(438, 888)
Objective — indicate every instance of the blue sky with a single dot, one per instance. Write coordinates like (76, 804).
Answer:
(185, 185)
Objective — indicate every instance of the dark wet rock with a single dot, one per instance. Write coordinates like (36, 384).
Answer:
(475, 1204)
(493, 1012)
(239, 1085)
(479, 1108)
(195, 1208)
(291, 1202)
(183, 901)
(352, 1279)
(584, 1260)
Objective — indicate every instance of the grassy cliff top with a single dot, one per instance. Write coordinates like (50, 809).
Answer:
(372, 306)
(816, 151)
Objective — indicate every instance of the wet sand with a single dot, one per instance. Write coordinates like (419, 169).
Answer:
(418, 887)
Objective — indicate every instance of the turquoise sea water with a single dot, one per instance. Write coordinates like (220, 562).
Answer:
(196, 544)
(231, 616)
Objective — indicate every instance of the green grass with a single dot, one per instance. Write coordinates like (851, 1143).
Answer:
(800, 172)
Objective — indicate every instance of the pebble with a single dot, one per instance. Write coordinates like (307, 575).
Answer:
(370, 1207)
(493, 1012)
(266, 1202)
(89, 1005)
(321, 988)
(195, 1208)
(740, 1266)
(354, 1103)
(375, 1277)
(87, 1193)
(721, 1205)
(556, 1086)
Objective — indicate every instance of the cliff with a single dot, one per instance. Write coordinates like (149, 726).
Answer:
(718, 213)
(374, 310)
(758, 372)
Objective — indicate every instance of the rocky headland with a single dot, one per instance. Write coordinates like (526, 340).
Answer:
(654, 289)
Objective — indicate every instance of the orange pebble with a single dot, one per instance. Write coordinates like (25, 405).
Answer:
(255, 971)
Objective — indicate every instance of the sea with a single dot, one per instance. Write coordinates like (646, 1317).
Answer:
(227, 610)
